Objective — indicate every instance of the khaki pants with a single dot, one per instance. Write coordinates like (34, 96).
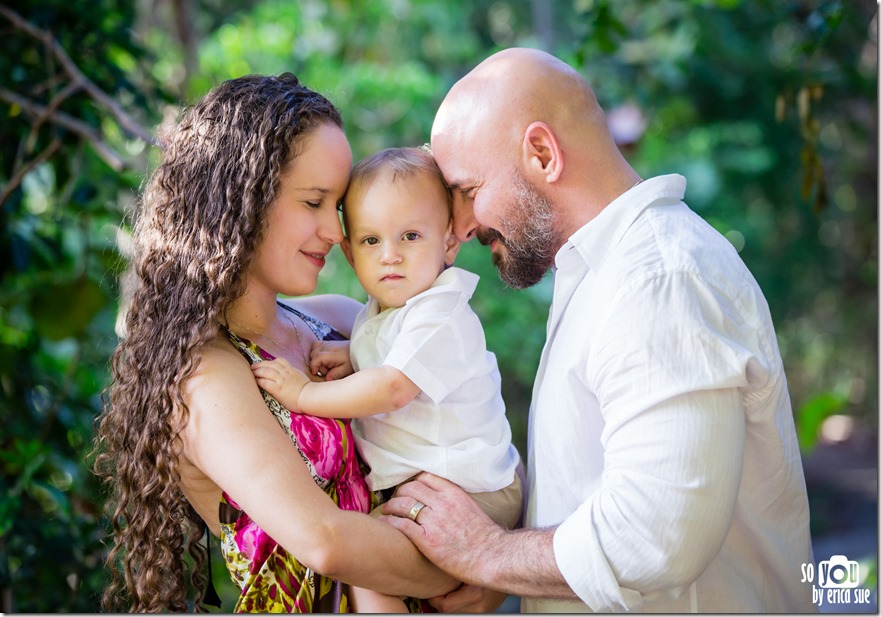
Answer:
(504, 506)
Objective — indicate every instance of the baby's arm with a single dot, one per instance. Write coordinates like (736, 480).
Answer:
(365, 393)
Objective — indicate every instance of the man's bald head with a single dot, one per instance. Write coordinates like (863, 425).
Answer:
(525, 147)
(505, 93)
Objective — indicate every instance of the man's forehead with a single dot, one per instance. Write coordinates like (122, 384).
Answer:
(451, 160)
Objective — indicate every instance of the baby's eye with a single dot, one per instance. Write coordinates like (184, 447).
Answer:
(410, 236)
(370, 241)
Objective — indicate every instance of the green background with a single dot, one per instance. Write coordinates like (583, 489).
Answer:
(768, 107)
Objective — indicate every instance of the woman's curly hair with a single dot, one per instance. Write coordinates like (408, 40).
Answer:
(202, 217)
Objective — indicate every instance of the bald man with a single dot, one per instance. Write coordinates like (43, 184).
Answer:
(663, 467)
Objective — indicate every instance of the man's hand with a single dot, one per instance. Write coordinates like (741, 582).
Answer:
(330, 359)
(282, 381)
(451, 530)
(469, 599)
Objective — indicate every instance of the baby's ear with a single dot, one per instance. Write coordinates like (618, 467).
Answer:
(346, 245)
(452, 246)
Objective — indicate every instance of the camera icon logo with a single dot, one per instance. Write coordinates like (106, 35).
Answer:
(838, 572)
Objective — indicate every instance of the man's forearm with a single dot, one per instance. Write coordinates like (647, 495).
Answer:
(521, 562)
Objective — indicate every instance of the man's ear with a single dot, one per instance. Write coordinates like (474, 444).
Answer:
(452, 246)
(346, 245)
(541, 151)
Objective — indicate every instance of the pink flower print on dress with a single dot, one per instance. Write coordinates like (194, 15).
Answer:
(320, 440)
(253, 542)
(353, 495)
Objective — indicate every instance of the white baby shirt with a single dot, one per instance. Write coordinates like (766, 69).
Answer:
(456, 427)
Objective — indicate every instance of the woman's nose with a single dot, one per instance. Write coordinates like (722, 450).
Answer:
(331, 230)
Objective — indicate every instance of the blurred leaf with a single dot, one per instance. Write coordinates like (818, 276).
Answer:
(812, 414)
(65, 310)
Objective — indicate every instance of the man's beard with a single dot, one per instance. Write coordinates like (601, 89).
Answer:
(526, 252)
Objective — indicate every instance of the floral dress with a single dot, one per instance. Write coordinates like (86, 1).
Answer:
(271, 579)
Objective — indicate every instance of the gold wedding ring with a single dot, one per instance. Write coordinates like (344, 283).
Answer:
(415, 510)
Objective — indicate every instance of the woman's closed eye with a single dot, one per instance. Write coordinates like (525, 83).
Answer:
(313, 204)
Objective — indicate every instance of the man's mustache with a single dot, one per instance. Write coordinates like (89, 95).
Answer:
(486, 235)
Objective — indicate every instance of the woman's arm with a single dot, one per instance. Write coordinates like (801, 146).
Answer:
(270, 482)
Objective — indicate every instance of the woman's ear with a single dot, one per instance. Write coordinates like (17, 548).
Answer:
(541, 151)
(346, 245)
(452, 246)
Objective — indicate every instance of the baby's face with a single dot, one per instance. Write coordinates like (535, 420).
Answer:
(398, 237)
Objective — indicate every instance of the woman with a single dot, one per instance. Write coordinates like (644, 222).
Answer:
(242, 208)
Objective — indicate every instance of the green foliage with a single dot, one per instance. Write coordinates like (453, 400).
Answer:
(64, 186)
(812, 415)
(766, 106)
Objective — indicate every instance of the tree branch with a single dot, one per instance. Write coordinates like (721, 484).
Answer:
(127, 123)
(53, 106)
(70, 123)
(25, 169)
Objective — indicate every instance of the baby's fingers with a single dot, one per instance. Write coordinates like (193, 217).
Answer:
(338, 372)
(266, 371)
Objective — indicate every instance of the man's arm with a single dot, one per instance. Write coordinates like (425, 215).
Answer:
(658, 520)
(653, 527)
(454, 532)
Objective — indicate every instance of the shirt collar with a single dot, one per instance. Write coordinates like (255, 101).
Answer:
(592, 242)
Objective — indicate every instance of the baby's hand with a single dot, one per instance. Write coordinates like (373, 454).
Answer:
(330, 359)
(282, 381)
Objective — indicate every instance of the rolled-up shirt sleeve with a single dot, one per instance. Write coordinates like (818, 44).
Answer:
(670, 394)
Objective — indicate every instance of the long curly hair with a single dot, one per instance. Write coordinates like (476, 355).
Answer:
(202, 217)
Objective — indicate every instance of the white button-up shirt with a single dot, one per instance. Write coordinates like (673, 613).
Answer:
(661, 435)
(456, 427)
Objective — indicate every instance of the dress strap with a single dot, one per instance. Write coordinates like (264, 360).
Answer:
(210, 596)
(321, 330)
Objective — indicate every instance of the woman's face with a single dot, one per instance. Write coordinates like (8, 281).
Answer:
(303, 223)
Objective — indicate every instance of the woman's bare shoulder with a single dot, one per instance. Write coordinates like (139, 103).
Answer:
(336, 310)
(222, 396)
(221, 368)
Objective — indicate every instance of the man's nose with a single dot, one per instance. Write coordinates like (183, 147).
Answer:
(464, 224)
